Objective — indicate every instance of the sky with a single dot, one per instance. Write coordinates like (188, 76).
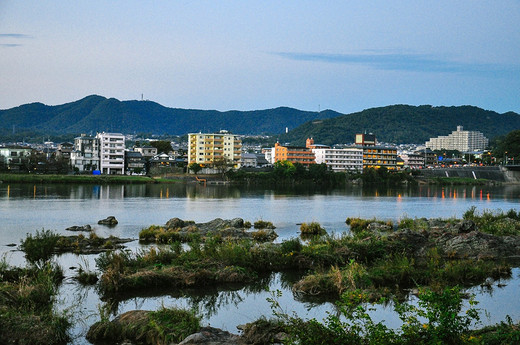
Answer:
(248, 55)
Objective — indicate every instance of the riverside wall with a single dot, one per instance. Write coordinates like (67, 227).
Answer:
(494, 173)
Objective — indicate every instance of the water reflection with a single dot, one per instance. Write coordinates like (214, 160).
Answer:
(195, 191)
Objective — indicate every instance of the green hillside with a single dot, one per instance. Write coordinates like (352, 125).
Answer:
(96, 113)
(404, 124)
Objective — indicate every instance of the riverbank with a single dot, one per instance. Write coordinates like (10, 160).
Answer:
(82, 179)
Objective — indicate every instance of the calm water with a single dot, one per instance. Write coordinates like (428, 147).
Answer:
(28, 208)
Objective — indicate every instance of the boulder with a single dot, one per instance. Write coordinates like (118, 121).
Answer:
(175, 223)
(79, 228)
(413, 240)
(110, 220)
(212, 336)
(464, 227)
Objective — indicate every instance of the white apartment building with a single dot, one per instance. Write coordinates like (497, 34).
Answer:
(206, 148)
(413, 160)
(85, 155)
(461, 140)
(111, 153)
(347, 159)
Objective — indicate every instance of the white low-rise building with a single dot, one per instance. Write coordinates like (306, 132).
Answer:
(346, 159)
(461, 140)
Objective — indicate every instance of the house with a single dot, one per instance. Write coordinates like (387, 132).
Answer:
(134, 163)
(147, 152)
(64, 150)
(14, 158)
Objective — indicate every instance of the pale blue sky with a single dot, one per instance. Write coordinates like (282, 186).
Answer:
(247, 55)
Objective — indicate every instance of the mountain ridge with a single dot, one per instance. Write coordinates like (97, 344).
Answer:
(398, 123)
(403, 123)
(97, 113)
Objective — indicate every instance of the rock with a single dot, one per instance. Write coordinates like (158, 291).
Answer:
(110, 220)
(80, 228)
(375, 226)
(212, 336)
(175, 223)
(479, 245)
(412, 239)
(464, 227)
(11, 245)
(236, 223)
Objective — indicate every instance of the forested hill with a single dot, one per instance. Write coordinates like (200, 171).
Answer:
(96, 114)
(404, 124)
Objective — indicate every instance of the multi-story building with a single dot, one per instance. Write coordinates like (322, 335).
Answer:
(294, 154)
(207, 148)
(85, 155)
(14, 157)
(461, 140)
(346, 159)
(380, 156)
(376, 156)
(413, 160)
(111, 153)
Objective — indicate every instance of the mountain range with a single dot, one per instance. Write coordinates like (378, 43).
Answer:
(394, 123)
(404, 124)
(96, 113)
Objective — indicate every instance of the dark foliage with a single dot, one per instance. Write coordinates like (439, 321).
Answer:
(404, 124)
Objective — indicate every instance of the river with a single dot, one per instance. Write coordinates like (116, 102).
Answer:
(27, 208)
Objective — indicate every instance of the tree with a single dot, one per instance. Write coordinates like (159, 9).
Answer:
(222, 165)
(195, 167)
(162, 146)
(509, 147)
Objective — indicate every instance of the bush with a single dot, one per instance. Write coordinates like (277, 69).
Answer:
(313, 228)
(260, 224)
(40, 248)
(435, 320)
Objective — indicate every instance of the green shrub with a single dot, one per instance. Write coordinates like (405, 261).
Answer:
(40, 248)
(172, 325)
(260, 224)
(291, 246)
(313, 228)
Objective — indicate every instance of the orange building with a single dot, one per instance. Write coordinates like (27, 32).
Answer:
(294, 154)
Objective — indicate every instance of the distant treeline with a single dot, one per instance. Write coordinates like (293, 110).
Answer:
(287, 173)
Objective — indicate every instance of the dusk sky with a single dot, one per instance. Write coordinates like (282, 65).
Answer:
(249, 55)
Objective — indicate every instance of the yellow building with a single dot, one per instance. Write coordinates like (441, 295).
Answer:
(206, 148)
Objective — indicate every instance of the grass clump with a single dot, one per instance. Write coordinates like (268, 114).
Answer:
(358, 225)
(164, 326)
(27, 298)
(496, 223)
(313, 228)
(40, 247)
(261, 224)
(264, 235)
